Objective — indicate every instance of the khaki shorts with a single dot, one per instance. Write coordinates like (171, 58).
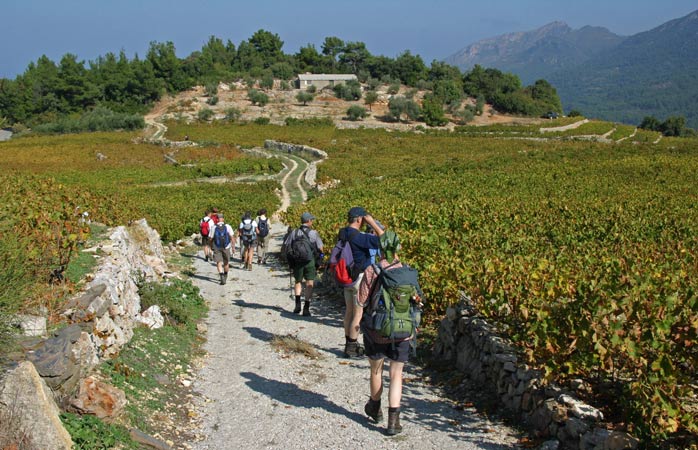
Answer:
(221, 255)
(351, 293)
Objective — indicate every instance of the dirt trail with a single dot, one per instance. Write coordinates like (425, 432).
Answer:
(253, 396)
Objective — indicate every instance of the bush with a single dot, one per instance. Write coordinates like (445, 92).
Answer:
(312, 89)
(394, 88)
(257, 97)
(311, 122)
(305, 97)
(99, 119)
(262, 120)
(356, 112)
(574, 113)
(267, 82)
(205, 114)
(284, 85)
(212, 100)
(233, 114)
(351, 90)
(211, 89)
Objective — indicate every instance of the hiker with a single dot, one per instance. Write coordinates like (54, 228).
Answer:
(361, 246)
(248, 237)
(205, 226)
(304, 248)
(375, 253)
(377, 346)
(214, 215)
(223, 238)
(263, 235)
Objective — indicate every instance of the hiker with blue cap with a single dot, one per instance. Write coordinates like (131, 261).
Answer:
(361, 246)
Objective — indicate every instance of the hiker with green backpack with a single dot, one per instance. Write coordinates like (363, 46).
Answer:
(303, 249)
(360, 246)
(391, 297)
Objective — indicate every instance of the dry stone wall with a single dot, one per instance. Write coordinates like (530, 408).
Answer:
(476, 349)
(100, 321)
(313, 154)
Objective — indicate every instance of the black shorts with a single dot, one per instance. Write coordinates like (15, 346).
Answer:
(394, 351)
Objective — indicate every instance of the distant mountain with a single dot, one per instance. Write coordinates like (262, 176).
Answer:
(650, 73)
(535, 54)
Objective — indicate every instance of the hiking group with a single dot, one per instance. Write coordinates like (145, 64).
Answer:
(219, 240)
(382, 295)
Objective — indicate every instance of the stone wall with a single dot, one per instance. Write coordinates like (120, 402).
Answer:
(100, 320)
(314, 155)
(476, 349)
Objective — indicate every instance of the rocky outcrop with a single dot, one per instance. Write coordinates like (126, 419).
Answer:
(25, 397)
(477, 350)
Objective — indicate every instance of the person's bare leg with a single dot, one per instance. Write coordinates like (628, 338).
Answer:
(395, 388)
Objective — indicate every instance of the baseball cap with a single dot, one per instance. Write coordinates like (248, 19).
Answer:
(307, 217)
(356, 211)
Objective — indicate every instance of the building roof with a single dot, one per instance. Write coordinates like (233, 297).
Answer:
(326, 76)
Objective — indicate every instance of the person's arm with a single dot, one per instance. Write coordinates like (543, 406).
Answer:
(369, 220)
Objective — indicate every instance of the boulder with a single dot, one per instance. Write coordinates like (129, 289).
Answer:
(98, 398)
(28, 400)
(55, 361)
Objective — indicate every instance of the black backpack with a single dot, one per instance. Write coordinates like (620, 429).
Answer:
(300, 251)
(263, 226)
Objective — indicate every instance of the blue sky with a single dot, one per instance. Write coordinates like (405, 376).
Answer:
(433, 29)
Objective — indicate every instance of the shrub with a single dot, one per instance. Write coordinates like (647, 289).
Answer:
(257, 97)
(267, 82)
(212, 100)
(262, 120)
(211, 89)
(233, 114)
(284, 85)
(205, 114)
(312, 89)
(356, 112)
(351, 90)
(304, 97)
(394, 88)
(311, 122)
(99, 119)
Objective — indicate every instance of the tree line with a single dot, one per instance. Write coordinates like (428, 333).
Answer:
(49, 92)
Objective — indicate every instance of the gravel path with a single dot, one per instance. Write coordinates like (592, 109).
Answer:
(254, 397)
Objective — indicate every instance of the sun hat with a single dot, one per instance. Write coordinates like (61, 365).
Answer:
(390, 244)
(356, 211)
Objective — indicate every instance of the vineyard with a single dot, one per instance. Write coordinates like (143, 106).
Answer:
(50, 182)
(586, 253)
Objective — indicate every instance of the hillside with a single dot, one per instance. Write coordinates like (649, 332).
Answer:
(651, 73)
(534, 54)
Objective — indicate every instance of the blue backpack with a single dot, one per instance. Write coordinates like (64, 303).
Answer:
(263, 226)
(221, 238)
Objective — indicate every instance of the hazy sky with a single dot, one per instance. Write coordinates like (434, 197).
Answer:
(433, 29)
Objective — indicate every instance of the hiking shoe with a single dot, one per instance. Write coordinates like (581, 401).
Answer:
(394, 426)
(353, 350)
(222, 278)
(373, 410)
(306, 309)
(297, 309)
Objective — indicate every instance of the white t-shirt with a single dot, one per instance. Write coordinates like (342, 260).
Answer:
(228, 229)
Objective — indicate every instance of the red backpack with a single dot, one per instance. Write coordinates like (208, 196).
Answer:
(342, 263)
(205, 229)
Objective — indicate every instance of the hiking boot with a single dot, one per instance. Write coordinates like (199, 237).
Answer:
(353, 350)
(373, 410)
(206, 258)
(222, 278)
(297, 309)
(394, 426)
(259, 260)
(306, 309)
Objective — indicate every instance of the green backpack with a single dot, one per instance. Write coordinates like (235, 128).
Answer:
(393, 309)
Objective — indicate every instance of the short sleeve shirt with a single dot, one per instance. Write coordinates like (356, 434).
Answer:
(361, 244)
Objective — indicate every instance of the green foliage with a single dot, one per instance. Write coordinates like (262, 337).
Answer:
(267, 82)
(233, 114)
(305, 97)
(99, 119)
(211, 89)
(178, 300)
(257, 97)
(575, 113)
(394, 88)
(205, 114)
(212, 100)
(433, 112)
(312, 89)
(356, 112)
(312, 122)
(399, 106)
(262, 120)
(351, 90)
(370, 98)
(90, 433)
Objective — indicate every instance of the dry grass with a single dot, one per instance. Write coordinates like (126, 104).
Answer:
(291, 344)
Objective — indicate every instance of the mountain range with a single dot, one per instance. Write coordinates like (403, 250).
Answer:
(600, 73)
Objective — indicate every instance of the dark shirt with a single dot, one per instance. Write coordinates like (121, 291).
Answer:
(360, 244)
